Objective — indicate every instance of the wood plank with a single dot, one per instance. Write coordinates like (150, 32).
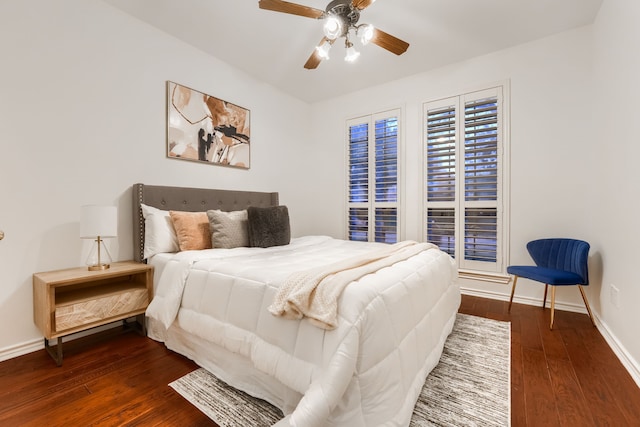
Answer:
(497, 310)
(551, 340)
(595, 386)
(481, 305)
(119, 389)
(518, 398)
(573, 408)
(529, 326)
(467, 305)
(540, 409)
(176, 411)
(51, 385)
(624, 388)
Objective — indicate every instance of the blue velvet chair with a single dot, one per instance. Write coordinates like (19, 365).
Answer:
(559, 262)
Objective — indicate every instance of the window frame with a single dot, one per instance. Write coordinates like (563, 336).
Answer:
(479, 270)
(371, 204)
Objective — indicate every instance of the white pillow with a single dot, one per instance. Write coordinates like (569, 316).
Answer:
(159, 234)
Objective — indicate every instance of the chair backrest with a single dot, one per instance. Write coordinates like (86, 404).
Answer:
(561, 254)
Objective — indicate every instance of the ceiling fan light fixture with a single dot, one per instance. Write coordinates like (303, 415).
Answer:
(366, 33)
(340, 20)
(323, 50)
(333, 27)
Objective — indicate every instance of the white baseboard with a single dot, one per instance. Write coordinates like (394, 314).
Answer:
(623, 355)
(21, 349)
(627, 361)
(576, 308)
(38, 343)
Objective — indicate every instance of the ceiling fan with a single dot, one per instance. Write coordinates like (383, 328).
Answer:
(341, 20)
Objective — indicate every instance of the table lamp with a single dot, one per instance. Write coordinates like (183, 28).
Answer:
(98, 222)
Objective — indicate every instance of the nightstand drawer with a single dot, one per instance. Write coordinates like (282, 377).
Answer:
(111, 306)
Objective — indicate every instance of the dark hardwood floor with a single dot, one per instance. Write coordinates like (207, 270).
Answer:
(568, 376)
(565, 377)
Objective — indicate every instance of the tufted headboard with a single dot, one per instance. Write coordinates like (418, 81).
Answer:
(191, 200)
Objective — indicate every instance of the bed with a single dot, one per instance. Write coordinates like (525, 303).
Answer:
(365, 366)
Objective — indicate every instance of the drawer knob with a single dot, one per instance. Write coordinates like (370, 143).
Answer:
(1, 234)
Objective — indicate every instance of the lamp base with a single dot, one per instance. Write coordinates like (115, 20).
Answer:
(98, 267)
(99, 257)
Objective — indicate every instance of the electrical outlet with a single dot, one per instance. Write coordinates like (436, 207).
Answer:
(615, 296)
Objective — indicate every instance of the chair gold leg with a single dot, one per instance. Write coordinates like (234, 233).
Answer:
(586, 303)
(513, 289)
(544, 298)
(553, 304)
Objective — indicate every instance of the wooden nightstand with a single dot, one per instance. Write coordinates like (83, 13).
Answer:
(75, 299)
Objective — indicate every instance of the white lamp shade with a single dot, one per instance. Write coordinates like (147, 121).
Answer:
(98, 221)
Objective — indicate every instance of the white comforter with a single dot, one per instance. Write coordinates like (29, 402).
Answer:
(368, 371)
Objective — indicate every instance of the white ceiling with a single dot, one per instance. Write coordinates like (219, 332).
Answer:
(273, 47)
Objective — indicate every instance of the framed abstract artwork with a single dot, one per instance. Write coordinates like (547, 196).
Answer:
(206, 129)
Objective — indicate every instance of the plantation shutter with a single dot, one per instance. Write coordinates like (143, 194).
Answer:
(481, 179)
(463, 211)
(441, 154)
(359, 181)
(441, 229)
(373, 178)
(441, 133)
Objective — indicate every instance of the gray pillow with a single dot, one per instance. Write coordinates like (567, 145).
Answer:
(228, 229)
(268, 226)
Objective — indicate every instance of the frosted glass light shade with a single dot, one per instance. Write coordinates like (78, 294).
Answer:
(352, 54)
(97, 221)
(323, 50)
(366, 33)
(333, 27)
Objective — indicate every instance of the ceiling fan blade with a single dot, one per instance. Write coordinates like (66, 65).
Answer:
(314, 60)
(361, 4)
(389, 42)
(292, 8)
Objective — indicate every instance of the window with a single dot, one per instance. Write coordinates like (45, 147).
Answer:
(465, 178)
(373, 177)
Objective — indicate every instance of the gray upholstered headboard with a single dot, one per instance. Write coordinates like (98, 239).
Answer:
(191, 200)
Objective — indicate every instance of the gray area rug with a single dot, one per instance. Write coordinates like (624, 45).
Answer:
(469, 387)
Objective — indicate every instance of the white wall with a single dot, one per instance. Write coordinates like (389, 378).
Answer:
(614, 195)
(82, 118)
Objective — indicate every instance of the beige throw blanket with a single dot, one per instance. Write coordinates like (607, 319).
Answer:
(314, 293)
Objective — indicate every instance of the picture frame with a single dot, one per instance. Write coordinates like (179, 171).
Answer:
(205, 129)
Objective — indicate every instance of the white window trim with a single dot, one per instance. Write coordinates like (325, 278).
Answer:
(399, 204)
(498, 275)
(503, 279)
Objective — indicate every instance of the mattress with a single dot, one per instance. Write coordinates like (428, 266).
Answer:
(212, 306)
